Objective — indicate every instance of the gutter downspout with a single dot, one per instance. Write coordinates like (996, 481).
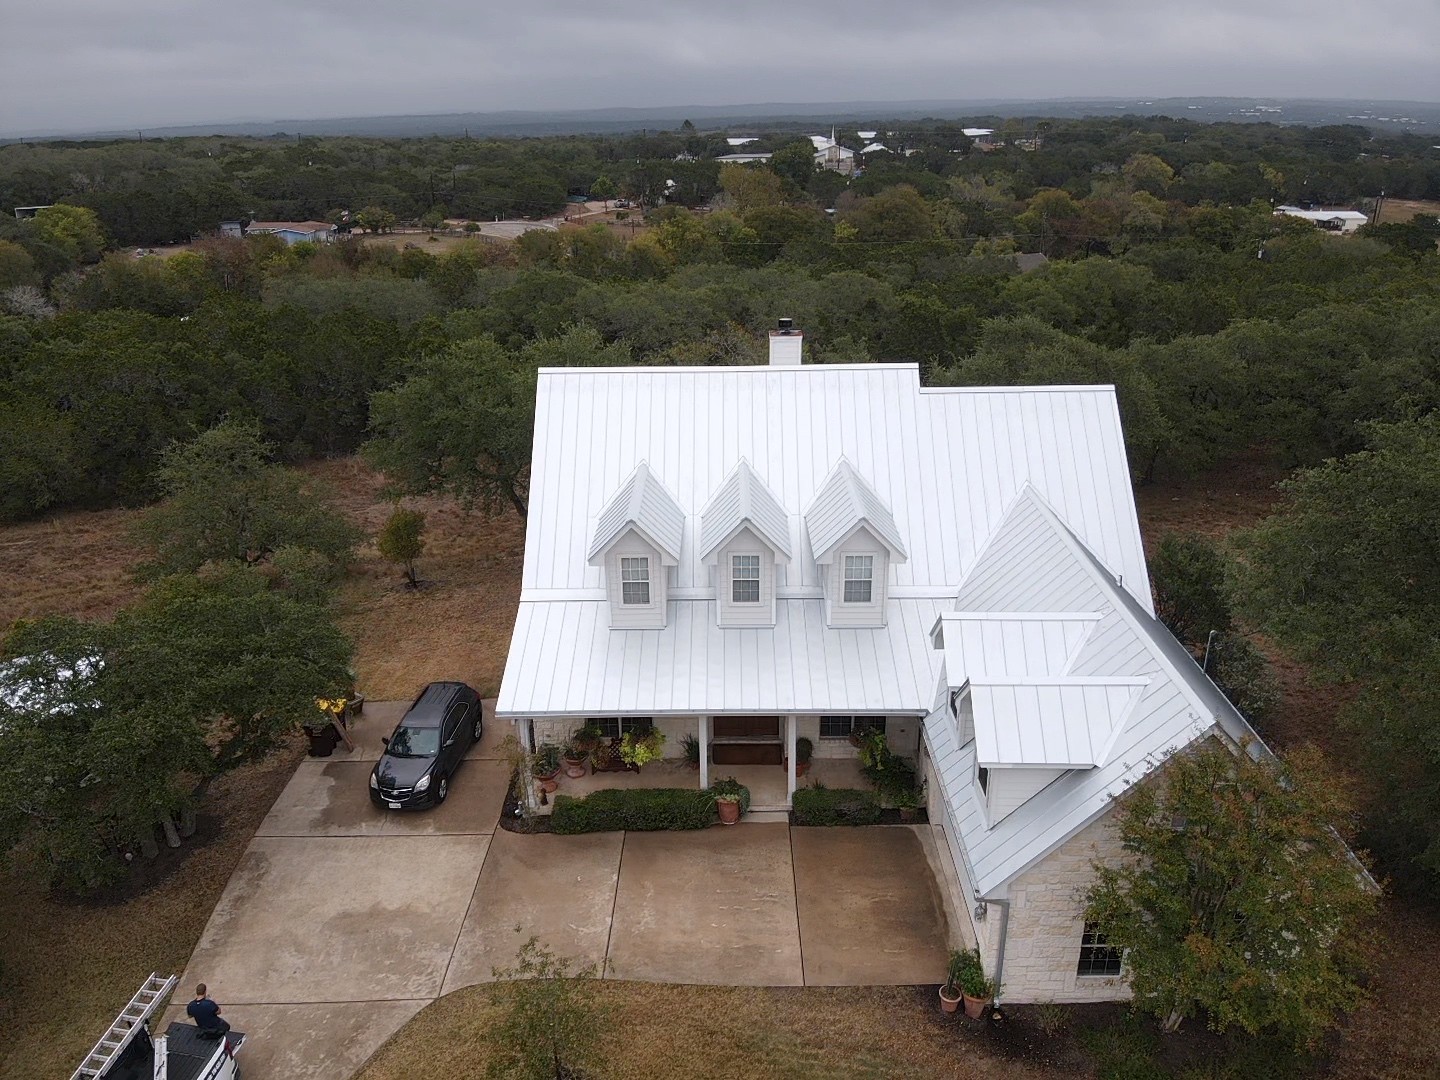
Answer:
(1004, 906)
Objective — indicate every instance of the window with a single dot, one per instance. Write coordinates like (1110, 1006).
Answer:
(859, 578)
(1096, 957)
(745, 579)
(612, 727)
(841, 727)
(635, 580)
(984, 780)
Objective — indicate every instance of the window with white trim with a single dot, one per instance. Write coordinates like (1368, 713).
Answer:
(1096, 956)
(745, 579)
(841, 727)
(635, 580)
(612, 727)
(859, 578)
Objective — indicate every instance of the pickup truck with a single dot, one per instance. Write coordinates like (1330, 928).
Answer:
(128, 1050)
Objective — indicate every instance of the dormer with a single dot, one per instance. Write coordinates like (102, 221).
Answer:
(744, 535)
(636, 543)
(853, 539)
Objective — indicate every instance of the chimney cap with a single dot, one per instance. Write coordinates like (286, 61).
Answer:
(787, 326)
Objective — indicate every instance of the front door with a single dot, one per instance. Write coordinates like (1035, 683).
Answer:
(746, 740)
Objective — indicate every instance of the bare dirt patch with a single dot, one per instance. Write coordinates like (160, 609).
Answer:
(434, 243)
(1403, 210)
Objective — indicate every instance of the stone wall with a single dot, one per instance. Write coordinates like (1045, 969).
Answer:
(1042, 943)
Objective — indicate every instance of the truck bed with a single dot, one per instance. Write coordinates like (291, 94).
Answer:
(188, 1056)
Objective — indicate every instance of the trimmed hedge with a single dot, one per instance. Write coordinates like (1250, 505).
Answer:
(635, 809)
(834, 806)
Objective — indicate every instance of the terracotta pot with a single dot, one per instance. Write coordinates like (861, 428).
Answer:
(729, 812)
(949, 1004)
(550, 775)
(574, 767)
(548, 784)
(855, 740)
(975, 1007)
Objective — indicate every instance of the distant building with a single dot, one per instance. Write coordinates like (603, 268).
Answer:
(742, 159)
(1029, 260)
(292, 232)
(232, 228)
(743, 141)
(829, 154)
(874, 148)
(1341, 221)
(981, 138)
(25, 212)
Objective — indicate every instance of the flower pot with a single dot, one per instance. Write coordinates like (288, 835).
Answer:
(547, 776)
(975, 1007)
(322, 741)
(801, 767)
(949, 1003)
(574, 767)
(855, 740)
(548, 784)
(729, 811)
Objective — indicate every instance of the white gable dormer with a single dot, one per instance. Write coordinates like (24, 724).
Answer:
(744, 535)
(636, 542)
(853, 539)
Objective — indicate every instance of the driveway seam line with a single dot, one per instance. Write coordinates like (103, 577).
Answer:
(614, 906)
(468, 905)
(795, 887)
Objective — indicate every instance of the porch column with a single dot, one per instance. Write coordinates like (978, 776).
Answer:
(790, 726)
(525, 729)
(703, 729)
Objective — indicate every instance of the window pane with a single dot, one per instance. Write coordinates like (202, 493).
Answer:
(1096, 957)
(859, 574)
(635, 592)
(835, 727)
(609, 725)
(640, 725)
(745, 592)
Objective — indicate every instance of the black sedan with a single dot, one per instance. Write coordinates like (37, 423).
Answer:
(426, 747)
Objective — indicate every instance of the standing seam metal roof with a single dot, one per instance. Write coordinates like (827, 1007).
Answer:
(642, 503)
(743, 499)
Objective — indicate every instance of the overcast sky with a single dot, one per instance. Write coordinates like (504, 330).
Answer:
(71, 65)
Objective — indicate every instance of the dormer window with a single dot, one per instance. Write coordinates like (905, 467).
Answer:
(745, 579)
(635, 580)
(745, 537)
(636, 545)
(859, 578)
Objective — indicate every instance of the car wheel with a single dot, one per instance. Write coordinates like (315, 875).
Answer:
(477, 731)
(442, 789)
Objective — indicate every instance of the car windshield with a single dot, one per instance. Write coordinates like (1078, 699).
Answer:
(415, 742)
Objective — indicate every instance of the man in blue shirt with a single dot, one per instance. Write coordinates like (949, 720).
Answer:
(206, 1014)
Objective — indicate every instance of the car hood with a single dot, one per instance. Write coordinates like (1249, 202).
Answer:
(401, 772)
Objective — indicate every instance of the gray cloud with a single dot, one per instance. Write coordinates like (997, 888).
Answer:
(87, 64)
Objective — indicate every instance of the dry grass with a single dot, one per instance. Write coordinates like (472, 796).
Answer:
(723, 1032)
(68, 968)
(76, 563)
(457, 626)
(1403, 210)
(435, 244)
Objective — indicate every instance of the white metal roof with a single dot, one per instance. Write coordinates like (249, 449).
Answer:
(744, 140)
(744, 501)
(844, 502)
(948, 462)
(642, 504)
(1056, 722)
(1047, 569)
(870, 148)
(977, 132)
(1020, 644)
(1323, 215)
(866, 134)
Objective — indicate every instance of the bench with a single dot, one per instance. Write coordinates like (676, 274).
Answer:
(606, 758)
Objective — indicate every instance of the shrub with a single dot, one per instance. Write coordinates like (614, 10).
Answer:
(835, 806)
(732, 788)
(804, 750)
(636, 810)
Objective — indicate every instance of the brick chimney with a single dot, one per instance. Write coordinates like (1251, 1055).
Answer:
(785, 345)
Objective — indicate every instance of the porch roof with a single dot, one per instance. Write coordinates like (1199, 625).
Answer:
(566, 660)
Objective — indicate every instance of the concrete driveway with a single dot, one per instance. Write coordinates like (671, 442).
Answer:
(342, 921)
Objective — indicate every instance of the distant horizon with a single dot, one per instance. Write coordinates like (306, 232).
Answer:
(729, 113)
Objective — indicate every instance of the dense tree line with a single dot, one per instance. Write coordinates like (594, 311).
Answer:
(164, 191)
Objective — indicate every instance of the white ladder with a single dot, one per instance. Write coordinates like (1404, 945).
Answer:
(113, 1043)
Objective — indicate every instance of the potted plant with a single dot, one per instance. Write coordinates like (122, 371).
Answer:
(950, 989)
(642, 748)
(874, 749)
(322, 730)
(545, 765)
(732, 799)
(804, 749)
(586, 738)
(908, 802)
(975, 988)
(690, 750)
(574, 760)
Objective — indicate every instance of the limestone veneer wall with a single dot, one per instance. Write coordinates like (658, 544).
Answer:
(558, 731)
(1042, 945)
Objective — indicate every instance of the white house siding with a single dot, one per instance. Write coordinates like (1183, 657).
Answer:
(731, 613)
(838, 612)
(1009, 788)
(1042, 943)
(951, 872)
(635, 616)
